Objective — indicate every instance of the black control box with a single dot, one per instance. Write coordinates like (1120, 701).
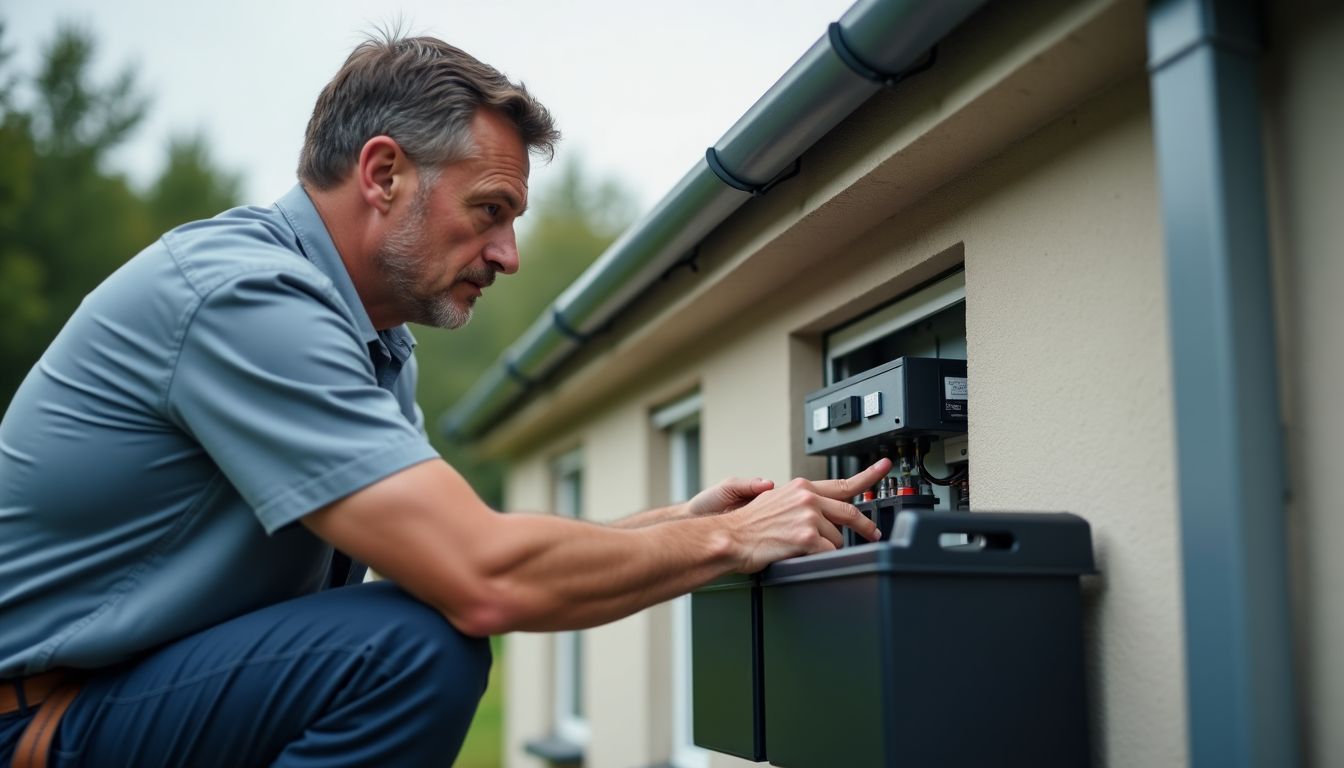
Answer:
(907, 397)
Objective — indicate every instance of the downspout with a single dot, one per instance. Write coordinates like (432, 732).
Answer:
(875, 43)
(1229, 446)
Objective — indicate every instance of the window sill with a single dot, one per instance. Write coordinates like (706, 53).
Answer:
(556, 750)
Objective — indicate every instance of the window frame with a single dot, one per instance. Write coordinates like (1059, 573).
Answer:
(568, 701)
(902, 313)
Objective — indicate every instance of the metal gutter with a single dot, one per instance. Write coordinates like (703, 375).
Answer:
(871, 45)
(1229, 446)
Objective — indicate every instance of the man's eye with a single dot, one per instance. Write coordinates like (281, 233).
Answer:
(491, 210)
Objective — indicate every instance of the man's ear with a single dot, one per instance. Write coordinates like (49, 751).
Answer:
(382, 172)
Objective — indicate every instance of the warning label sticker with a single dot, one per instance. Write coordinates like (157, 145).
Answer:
(954, 387)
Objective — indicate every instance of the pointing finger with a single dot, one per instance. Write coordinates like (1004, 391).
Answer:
(846, 488)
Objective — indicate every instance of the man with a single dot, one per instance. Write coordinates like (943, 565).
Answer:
(237, 400)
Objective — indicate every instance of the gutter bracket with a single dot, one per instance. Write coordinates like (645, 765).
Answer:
(691, 261)
(861, 67)
(562, 325)
(518, 375)
(756, 190)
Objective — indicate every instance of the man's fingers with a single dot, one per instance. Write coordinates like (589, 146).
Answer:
(737, 488)
(831, 534)
(846, 514)
(852, 486)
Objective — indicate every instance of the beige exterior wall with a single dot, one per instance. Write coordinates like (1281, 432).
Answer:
(1307, 176)
(528, 680)
(1068, 359)
(1057, 222)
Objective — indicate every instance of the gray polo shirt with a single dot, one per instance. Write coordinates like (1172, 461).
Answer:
(222, 384)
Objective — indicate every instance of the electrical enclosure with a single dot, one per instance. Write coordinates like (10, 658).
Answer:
(909, 396)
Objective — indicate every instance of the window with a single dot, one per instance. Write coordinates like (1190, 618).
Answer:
(680, 421)
(571, 723)
(931, 322)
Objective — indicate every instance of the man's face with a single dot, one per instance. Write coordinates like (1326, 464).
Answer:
(457, 233)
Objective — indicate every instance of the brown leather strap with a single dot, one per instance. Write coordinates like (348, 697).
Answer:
(25, 692)
(35, 743)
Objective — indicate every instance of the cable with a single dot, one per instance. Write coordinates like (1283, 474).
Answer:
(955, 477)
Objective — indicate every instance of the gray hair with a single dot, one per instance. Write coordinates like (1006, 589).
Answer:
(421, 92)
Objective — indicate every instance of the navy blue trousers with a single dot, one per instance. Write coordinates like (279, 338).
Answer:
(360, 676)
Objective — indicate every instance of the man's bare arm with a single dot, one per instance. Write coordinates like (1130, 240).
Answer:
(488, 573)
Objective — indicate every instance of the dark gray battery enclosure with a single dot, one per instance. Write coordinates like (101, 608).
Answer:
(956, 643)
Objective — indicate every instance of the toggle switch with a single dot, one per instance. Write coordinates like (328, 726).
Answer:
(844, 412)
(821, 418)
(872, 405)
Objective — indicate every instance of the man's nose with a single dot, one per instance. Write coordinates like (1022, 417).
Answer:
(502, 252)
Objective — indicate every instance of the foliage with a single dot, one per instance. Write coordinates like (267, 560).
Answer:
(485, 738)
(66, 222)
(190, 188)
(571, 221)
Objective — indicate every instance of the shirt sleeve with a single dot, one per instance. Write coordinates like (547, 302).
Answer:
(274, 382)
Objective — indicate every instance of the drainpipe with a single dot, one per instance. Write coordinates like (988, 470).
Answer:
(1229, 446)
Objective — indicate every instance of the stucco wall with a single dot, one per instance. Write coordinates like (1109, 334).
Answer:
(1066, 326)
(626, 682)
(1066, 322)
(1307, 177)
(616, 470)
(1070, 399)
(528, 668)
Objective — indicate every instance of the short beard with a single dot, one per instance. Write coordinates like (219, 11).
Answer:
(401, 260)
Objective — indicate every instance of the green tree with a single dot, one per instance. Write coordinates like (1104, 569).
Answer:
(23, 308)
(66, 220)
(66, 223)
(190, 187)
(572, 220)
(83, 222)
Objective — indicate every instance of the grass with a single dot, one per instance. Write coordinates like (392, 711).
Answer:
(484, 747)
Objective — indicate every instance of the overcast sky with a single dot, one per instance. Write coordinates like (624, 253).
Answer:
(639, 89)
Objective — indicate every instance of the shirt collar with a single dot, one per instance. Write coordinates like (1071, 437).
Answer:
(302, 215)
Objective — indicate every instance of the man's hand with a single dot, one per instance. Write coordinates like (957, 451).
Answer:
(802, 518)
(727, 496)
